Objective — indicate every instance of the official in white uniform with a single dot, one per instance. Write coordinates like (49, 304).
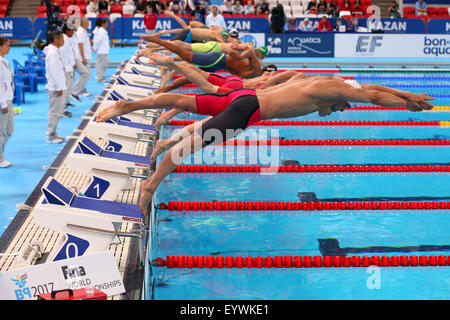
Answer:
(83, 45)
(68, 58)
(56, 84)
(6, 98)
(101, 48)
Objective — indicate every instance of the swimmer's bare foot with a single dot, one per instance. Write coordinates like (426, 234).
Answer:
(147, 191)
(117, 109)
(159, 148)
(161, 59)
(152, 37)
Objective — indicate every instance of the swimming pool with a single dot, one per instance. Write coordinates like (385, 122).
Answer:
(372, 191)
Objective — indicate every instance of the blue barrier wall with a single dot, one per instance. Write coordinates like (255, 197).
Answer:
(438, 26)
(132, 28)
(40, 24)
(16, 28)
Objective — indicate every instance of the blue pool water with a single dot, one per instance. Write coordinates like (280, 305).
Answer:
(279, 233)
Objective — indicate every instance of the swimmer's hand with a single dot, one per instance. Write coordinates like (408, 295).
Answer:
(418, 102)
(161, 120)
(143, 52)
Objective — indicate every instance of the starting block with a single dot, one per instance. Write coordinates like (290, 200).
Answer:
(87, 147)
(126, 133)
(118, 92)
(142, 69)
(149, 68)
(134, 80)
(89, 225)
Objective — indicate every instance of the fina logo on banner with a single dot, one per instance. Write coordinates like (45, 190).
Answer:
(436, 46)
(274, 45)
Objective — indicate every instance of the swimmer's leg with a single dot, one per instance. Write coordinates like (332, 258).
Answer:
(184, 54)
(157, 101)
(171, 160)
(163, 145)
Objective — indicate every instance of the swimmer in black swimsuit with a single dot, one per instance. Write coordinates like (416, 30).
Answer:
(294, 99)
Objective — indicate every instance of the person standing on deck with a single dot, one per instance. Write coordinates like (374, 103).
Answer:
(56, 84)
(101, 48)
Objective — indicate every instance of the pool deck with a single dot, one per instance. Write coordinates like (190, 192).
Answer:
(22, 230)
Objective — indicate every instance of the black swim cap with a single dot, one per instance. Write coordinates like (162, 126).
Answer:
(270, 68)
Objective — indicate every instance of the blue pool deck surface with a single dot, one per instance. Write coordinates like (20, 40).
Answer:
(275, 233)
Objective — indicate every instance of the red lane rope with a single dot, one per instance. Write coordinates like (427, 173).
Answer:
(324, 123)
(339, 142)
(300, 261)
(315, 70)
(302, 206)
(310, 168)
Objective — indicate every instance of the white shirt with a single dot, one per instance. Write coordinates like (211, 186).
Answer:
(101, 41)
(83, 37)
(54, 69)
(218, 20)
(75, 47)
(68, 58)
(6, 83)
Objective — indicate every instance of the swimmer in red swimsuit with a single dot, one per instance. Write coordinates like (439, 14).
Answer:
(215, 82)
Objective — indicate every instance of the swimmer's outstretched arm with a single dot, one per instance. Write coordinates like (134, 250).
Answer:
(414, 101)
(284, 77)
(339, 90)
(174, 85)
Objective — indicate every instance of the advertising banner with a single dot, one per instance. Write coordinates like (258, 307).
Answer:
(394, 25)
(97, 270)
(16, 28)
(40, 24)
(307, 44)
(251, 25)
(392, 46)
(438, 26)
(134, 28)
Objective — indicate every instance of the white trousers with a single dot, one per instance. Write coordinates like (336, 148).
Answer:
(6, 128)
(55, 110)
(101, 64)
(84, 71)
(69, 85)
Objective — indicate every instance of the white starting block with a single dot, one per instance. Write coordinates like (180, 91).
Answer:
(126, 133)
(142, 69)
(89, 225)
(135, 80)
(87, 147)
